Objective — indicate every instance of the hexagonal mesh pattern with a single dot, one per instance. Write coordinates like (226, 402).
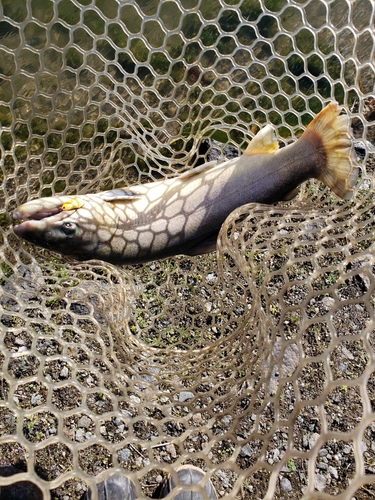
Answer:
(256, 364)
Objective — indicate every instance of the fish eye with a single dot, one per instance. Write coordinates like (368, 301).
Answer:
(68, 228)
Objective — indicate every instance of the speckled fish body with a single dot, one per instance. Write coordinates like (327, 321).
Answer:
(183, 215)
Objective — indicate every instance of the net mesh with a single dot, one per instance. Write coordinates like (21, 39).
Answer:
(256, 364)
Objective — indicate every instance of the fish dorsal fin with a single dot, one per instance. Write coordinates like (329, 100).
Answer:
(198, 170)
(118, 195)
(263, 143)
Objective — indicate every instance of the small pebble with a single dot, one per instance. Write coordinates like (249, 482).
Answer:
(64, 372)
(148, 378)
(313, 439)
(79, 436)
(124, 455)
(185, 395)
(333, 472)
(226, 420)
(286, 485)
(343, 367)
(224, 478)
(320, 482)
(134, 399)
(171, 450)
(197, 418)
(84, 422)
(246, 451)
(347, 353)
(35, 399)
(328, 302)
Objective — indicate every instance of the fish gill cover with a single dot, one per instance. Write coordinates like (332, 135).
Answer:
(255, 364)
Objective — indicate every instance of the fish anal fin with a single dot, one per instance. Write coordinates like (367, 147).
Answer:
(118, 195)
(292, 194)
(263, 143)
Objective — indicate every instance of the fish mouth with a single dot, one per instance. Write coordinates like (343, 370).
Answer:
(36, 215)
(32, 224)
(43, 208)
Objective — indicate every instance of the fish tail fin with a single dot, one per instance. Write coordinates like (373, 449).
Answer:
(330, 131)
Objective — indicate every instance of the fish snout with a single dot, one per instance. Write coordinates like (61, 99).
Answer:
(30, 230)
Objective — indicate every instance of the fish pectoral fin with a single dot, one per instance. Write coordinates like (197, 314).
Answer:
(198, 170)
(205, 246)
(118, 195)
(263, 143)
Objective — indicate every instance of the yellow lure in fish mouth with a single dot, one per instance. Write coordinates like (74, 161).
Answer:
(72, 204)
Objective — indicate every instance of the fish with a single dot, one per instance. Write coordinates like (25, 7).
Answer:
(184, 214)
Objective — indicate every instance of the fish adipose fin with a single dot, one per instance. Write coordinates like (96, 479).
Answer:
(330, 131)
(263, 143)
(118, 195)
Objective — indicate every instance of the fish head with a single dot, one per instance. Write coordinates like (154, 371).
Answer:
(70, 226)
(51, 231)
